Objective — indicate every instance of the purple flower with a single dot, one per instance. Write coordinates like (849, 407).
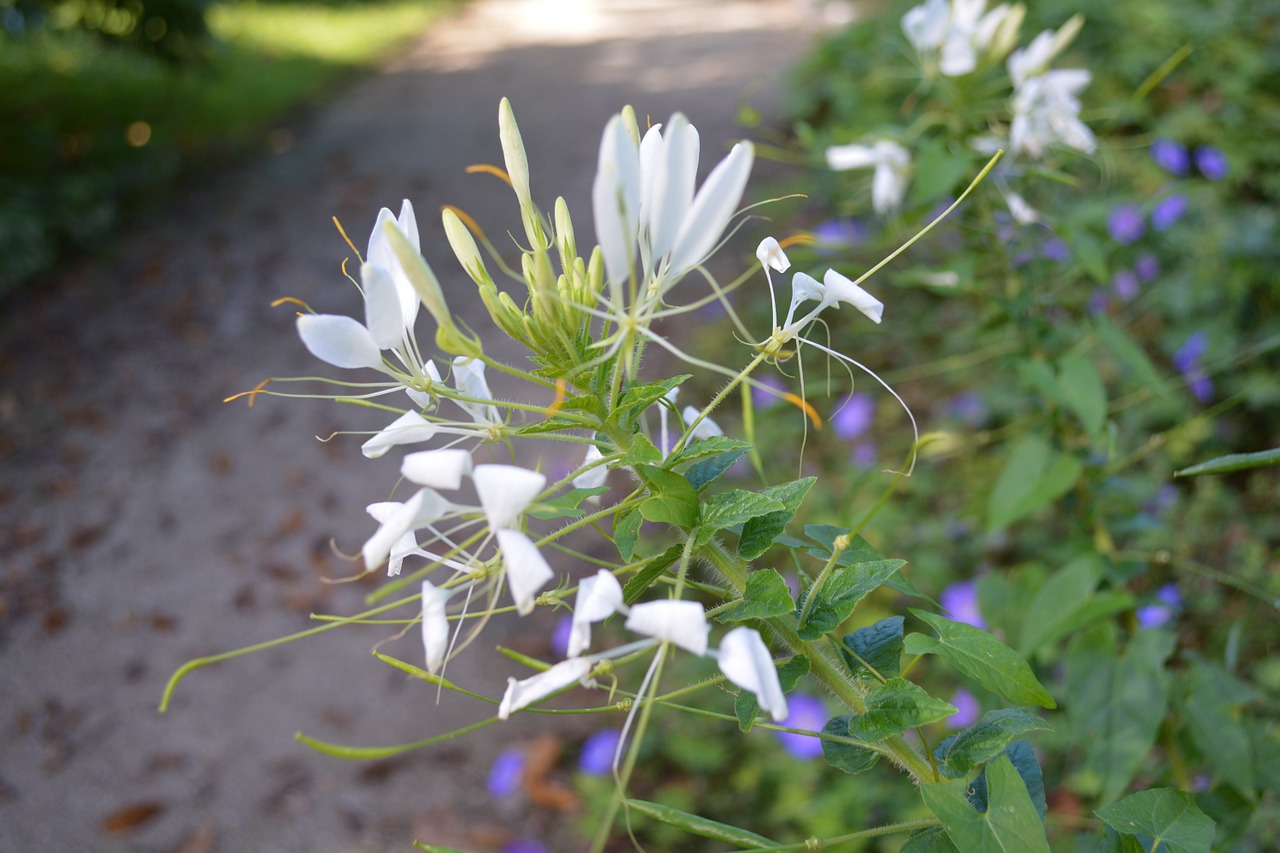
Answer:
(968, 710)
(1056, 249)
(864, 453)
(765, 397)
(1168, 602)
(1188, 356)
(1125, 284)
(961, 601)
(1171, 156)
(1211, 162)
(1201, 386)
(804, 712)
(1098, 301)
(1168, 211)
(598, 751)
(507, 773)
(969, 407)
(1126, 224)
(560, 635)
(854, 416)
(839, 233)
(1147, 266)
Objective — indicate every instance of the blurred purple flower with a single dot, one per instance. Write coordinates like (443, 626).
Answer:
(853, 416)
(1126, 224)
(524, 845)
(763, 398)
(1125, 284)
(1211, 162)
(969, 407)
(1168, 601)
(1166, 498)
(1168, 211)
(864, 453)
(1171, 156)
(507, 773)
(839, 233)
(560, 635)
(1187, 360)
(1147, 266)
(1056, 249)
(598, 751)
(1098, 301)
(961, 601)
(805, 712)
(969, 711)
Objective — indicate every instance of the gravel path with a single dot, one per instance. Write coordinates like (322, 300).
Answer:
(143, 522)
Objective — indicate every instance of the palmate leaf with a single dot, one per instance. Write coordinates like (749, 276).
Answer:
(673, 500)
(982, 657)
(758, 533)
(1170, 817)
(766, 595)
(731, 508)
(1009, 824)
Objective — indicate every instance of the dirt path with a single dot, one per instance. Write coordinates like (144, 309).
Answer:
(142, 522)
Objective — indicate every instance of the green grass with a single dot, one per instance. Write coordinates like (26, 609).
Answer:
(90, 133)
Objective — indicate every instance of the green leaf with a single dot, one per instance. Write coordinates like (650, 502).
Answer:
(1023, 758)
(626, 531)
(878, 645)
(1033, 477)
(937, 171)
(758, 533)
(551, 424)
(859, 550)
(982, 657)
(845, 756)
(566, 505)
(1117, 702)
(712, 445)
(674, 501)
(1089, 254)
(641, 452)
(701, 473)
(1129, 354)
(730, 508)
(790, 671)
(1213, 708)
(1169, 817)
(643, 579)
(698, 825)
(932, 839)
(1010, 823)
(637, 398)
(985, 739)
(1114, 842)
(895, 706)
(840, 594)
(766, 595)
(1232, 462)
(1083, 391)
(1066, 603)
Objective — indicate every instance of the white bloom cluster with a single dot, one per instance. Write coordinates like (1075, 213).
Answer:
(892, 164)
(957, 34)
(1046, 111)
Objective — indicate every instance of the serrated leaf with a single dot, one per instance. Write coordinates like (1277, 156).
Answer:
(551, 424)
(985, 739)
(641, 452)
(652, 570)
(730, 508)
(1023, 758)
(840, 594)
(1010, 823)
(982, 657)
(845, 756)
(626, 531)
(701, 473)
(878, 645)
(895, 706)
(759, 533)
(637, 398)
(1083, 391)
(712, 445)
(766, 595)
(1117, 702)
(932, 839)
(566, 505)
(673, 500)
(1170, 817)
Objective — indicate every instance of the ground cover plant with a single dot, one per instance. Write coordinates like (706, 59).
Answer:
(93, 130)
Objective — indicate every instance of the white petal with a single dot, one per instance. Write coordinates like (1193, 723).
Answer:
(521, 694)
(805, 288)
(887, 189)
(841, 289)
(440, 469)
(382, 312)
(506, 491)
(340, 341)
(599, 597)
(409, 301)
(379, 252)
(745, 660)
(527, 571)
(926, 25)
(682, 623)
(395, 524)
(712, 207)
(842, 157)
(1023, 213)
(770, 254)
(435, 625)
(673, 184)
(958, 57)
(409, 428)
(468, 378)
(594, 477)
(707, 428)
(615, 199)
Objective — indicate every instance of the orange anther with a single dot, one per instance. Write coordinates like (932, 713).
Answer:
(801, 239)
(489, 170)
(804, 406)
(561, 396)
(250, 394)
(283, 299)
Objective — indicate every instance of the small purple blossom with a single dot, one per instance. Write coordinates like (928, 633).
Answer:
(1147, 266)
(1156, 615)
(864, 453)
(961, 601)
(1166, 498)
(968, 710)
(560, 635)
(1125, 284)
(1126, 224)
(840, 233)
(854, 416)
(507, 773)
(804, 712)
(769, 394)
(1098, 301)
(1187, 361)
(598, 751)
(1211, 162)
(1056, 249)
(969, 408)
(1171, 156)
(1168, 211)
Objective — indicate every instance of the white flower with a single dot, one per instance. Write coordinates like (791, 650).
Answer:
(435, 626)
(340, 341)
(681, 623)
(926, 25)
(891, 163)
(599, 597)
(770, 254)
(409, 428)
(505, 492)
(527, 570)
(593, 477)
(746, 661)
(840, 288)
(1023, 213)
(381, 255)
(1046, 112)
(954, 33)
(706, 428)
(394, 538)
(439, 469)
(521, 694)
(468, 378)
